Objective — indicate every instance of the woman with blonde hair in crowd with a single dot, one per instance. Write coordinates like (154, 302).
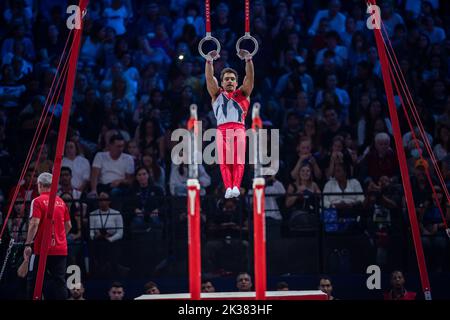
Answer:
(303, 197)
(303, 185)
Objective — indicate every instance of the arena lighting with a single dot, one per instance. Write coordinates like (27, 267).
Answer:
(180, 57)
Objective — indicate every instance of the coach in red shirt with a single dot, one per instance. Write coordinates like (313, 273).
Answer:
(54, 282)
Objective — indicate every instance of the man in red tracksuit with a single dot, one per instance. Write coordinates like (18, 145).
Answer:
(54, 281)
(230, 106)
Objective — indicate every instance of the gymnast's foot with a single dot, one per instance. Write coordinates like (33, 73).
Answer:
(228, 193)
(235, 192)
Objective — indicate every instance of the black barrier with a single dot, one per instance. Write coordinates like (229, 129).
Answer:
(307, 239)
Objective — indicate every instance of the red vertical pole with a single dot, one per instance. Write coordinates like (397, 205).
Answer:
(207, 17)
(259, 236)
(47, 220)
(247, 16)
(195, 260)
(385, 68)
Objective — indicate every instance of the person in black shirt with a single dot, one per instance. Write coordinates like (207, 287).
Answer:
(145, 202)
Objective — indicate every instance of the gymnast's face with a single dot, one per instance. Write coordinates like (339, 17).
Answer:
(229, 82)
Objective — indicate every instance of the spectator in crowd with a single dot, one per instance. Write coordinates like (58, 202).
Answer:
(113, 170)
(380, 160)
(398, 290)
(334, 126)
(302, 201)
(340, 53)
(120, 101)
(290, 136)
(131, 74)
(442, 147)
(151, 17)
(91, 47)
(145, 202)
(342, 183)
(74, 237)
(145, 54)
(286, 32)
(44, 164)
(191, 17)
(350, 29)
(419, 183)
(382, 204)
(326, 286)
(311, 131)
(27, 187)
(156, 173)
(116, 291)
(150, 138)
(436, 34)
(5, 156)
(179, 176)
(18, 11)
(390, 17)
(227, 232)
(77, 292)
(133, 150)
(106, 229)
(343, 99)
(334, 16)
(338, 154)
(274, 189)
(282, 286)
(78, 164)
(151, 288)
(357, 53)
(367, 125)
(432, 228)
(18, 222)
(302, 105)
(116, 16)
(305, 156)
(65, 184)
(292, 81)
(408, 137)
(350, 145)
(301, 193)
(244, 282)
(112, 126)
(11, 90)
(75, 197)
(207, 286)
(19, 35)
(223, 24)
(318, 40)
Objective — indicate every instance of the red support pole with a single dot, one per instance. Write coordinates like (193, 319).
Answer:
(259, 236)
(47, 220)
(247, 16)
(195, 259)
(385, 67)
(207, 17)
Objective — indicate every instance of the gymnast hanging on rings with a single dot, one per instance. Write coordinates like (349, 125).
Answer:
(230, 106)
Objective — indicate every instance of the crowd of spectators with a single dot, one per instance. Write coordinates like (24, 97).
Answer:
(318, 79)
(396, 291)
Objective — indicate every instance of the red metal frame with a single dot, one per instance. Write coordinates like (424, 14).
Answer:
(47, 220)
(386, 71)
